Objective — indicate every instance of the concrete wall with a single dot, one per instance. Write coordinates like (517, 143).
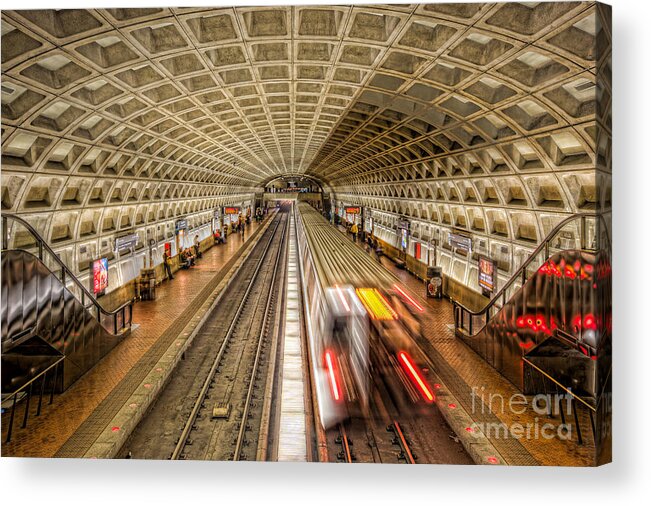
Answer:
(127, 291)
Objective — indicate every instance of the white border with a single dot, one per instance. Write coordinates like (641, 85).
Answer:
(628, 481)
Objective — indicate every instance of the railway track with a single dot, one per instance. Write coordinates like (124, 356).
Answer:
(396, 433)
(369, 441)
(212, 407)
(356, 441)
(248, 330)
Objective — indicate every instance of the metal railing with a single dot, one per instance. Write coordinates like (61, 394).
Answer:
(115, 321)
(12, 400)
(592, 236)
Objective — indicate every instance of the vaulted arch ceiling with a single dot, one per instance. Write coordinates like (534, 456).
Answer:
(467, 111)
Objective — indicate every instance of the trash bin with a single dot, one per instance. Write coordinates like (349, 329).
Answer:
(147, 284)
(434, 286)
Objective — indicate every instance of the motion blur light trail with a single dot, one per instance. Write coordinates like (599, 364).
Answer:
(415, 376)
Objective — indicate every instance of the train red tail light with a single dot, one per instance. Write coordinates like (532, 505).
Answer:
(408, 298)
(332, 376)
(590, 322)
(415, 376)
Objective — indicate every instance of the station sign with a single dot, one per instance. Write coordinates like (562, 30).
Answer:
(486, 274)
(232, 210)
(181, 225)
(126, 242)
(462, 242)
(353, 209)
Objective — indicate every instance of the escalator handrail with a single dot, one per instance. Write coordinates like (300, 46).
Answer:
(544, 244)
(68, 273)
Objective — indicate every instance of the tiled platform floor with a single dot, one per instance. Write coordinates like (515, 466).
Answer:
(456, 361)
(45, 435)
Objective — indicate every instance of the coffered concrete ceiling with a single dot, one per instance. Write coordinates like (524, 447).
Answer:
(490, 117)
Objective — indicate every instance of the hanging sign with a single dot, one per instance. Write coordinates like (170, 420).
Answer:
(181, 225)
(461, 242)
(126, 242)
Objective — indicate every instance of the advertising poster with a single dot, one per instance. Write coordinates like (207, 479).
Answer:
(100, 275)
(486, 274)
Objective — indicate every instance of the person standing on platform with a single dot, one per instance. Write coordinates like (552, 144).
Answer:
(354, 231)
(197, 246)
(378, 249)
(167, 263)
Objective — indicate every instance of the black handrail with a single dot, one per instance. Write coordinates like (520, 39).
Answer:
(14, 396)
(123, 310)
(521, 273)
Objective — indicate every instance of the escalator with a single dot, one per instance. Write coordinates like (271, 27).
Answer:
(549, 330)
(48, 316)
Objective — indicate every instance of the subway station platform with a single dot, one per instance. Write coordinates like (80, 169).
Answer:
(79, 416)
(95, 417)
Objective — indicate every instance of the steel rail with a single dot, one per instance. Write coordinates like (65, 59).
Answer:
(345, 444)
(176, 454)
(406, 451)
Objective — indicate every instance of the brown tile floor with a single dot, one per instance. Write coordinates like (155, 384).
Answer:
(438, 325)
(46, 434)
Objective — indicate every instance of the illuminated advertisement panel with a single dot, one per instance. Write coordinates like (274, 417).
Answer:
(486, 274)
(100, 275)
(232, 210)
(369, 226)
(353, 210)
(403, 230)
(404, 234)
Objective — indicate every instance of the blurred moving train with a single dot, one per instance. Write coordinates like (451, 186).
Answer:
(361, 324)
